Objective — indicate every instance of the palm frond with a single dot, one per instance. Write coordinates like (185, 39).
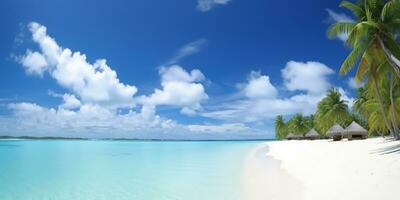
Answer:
(390, 11)
(360, 31)
(368, 13)
(392, 52)
(357, 10)
(353, 57)
(372, 4)
(339, 28)
(391, 45)
(361, 70)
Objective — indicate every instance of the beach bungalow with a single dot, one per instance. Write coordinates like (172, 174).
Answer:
(292, 136)
(312, 135)
(355, 131)
(335, 132)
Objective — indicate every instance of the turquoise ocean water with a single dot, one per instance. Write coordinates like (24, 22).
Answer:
(119, 170)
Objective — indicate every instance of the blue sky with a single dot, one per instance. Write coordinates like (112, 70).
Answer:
(174, 69)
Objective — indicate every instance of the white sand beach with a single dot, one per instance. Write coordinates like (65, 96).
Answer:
(322, 169)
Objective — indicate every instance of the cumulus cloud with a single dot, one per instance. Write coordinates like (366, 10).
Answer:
(88, 119)
(34, 63)
(255, 110)
(94, 121)
(259, 86)
(308, 81)
(70, 102)
(179, 88)
(311, 77)
(98, 104)
(92, 82)
(339, 17)
(97, 101)
(207, 5)
(261, 109)
(187, 50)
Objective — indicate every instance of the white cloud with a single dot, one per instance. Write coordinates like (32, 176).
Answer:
(93, 83)
(70, 102)
(351, 82)
(187, 50)
(346, 97)
(259, 86)
(176, 73)
(179, 88)
(222, 128)
(206, 5)
(311, 77)
(99, 122)
(254, 110)
(25, 108)
(339, 17)
(97, 101)
(34, 63)
(309, 82)
(98, 104)
(88, 120)
(261, 109)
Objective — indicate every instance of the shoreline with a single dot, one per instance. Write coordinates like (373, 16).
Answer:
(264, 178)
(360, 169)
(131, 139)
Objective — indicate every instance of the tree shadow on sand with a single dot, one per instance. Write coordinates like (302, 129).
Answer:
(395, 148)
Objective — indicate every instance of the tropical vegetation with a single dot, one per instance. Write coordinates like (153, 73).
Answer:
(373, 38)
(330, 110)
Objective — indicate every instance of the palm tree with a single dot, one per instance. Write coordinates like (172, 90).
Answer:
(366, 104)
(376, 26)
(373, 39)
(309, 121)
(394, 105)
(360, 101)
(331, 109)
(298, 124)
(280, 127)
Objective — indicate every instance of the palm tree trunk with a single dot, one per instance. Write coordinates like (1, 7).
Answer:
(393, 109)
(395, 67)
(378, 96)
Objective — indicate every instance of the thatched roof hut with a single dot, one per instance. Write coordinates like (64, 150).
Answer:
(312, 134)
(292, 136)
(355, 131)
(335, 132)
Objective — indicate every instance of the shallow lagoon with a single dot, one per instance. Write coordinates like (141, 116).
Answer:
(84, 169)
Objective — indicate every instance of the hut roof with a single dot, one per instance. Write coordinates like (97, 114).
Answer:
(293, 136)
(336, 129)
(355, 128)
(312, 133)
